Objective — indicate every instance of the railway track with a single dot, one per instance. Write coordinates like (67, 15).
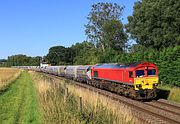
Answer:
(159, 112)
(166, 106)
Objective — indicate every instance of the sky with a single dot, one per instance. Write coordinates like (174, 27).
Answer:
(31, 27)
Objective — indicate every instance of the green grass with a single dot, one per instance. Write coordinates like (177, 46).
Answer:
(19, 103)
(174, 94)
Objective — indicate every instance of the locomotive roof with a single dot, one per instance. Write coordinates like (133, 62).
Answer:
(133, 64)
(116, 65)
(111, 65)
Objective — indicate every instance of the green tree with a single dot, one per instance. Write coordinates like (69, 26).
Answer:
(35, 61)
(59, 55)
(155, 23)
(113, 35)
(85, 53)
(3, 62)
(101, 13)
(18, 60)
(56, 54)
(22, 60)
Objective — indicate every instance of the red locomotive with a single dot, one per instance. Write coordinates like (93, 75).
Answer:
(137, 80)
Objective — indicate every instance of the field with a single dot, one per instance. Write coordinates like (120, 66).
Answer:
(7, 75)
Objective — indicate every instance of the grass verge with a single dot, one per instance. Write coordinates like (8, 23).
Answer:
(18, 104)
(174, 94)
(60, 106)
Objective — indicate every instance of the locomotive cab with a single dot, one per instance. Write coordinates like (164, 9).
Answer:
(146, 76)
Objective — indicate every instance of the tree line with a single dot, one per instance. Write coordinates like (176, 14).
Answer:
(20, 60)
(154, 29)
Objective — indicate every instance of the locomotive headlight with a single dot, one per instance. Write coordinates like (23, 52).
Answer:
(139, 86)
(155, 85)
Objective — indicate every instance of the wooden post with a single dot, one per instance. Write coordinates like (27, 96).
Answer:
(67, 91)
(80, 104)
(65, 94)
(49, 80)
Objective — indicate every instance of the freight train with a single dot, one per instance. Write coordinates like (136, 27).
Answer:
(135, 80)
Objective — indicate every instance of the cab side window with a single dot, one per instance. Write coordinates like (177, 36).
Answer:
(139, 73)
(151, 72)
(130, 74)
(95, 73)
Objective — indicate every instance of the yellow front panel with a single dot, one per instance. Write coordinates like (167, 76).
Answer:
(146, 82)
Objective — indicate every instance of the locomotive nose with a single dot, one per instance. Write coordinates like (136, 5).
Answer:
(145, 82)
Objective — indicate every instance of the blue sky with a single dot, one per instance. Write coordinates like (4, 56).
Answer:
(31, 27)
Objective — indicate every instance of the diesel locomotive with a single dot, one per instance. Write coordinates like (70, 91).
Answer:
(137, 80)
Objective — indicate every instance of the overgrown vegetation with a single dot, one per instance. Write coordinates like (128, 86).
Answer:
(174, 94)
(60, 106)
(19, 104)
